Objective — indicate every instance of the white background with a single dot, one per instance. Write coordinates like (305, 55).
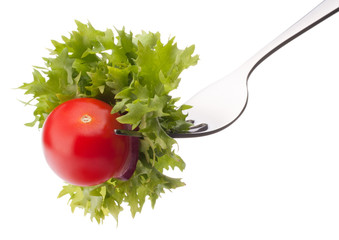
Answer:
(274, 174)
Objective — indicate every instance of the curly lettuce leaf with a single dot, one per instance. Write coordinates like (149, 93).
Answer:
(135, 74)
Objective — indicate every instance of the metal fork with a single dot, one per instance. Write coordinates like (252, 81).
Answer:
(231, 92)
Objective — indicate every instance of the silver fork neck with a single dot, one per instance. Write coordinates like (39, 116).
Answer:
(321, 12)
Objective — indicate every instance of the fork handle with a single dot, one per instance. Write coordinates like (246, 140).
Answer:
(321, 12)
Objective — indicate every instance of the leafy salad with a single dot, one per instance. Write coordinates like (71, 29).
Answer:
(134, 74)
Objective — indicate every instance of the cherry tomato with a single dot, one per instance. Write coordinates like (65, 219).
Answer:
(80, 144)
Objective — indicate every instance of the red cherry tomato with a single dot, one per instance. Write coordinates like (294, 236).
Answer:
(80, 145)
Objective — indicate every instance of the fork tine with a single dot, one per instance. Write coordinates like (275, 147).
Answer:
(201, 127)
(193, 131)
(130, 133)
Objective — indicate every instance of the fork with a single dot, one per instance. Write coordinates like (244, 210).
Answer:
(231, 92)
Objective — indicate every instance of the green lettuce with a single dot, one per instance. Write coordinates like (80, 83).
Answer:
(135, 74)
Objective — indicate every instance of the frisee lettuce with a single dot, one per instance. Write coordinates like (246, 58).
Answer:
(135, 74)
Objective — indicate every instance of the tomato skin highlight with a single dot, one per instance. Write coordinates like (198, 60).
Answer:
(80, 145)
